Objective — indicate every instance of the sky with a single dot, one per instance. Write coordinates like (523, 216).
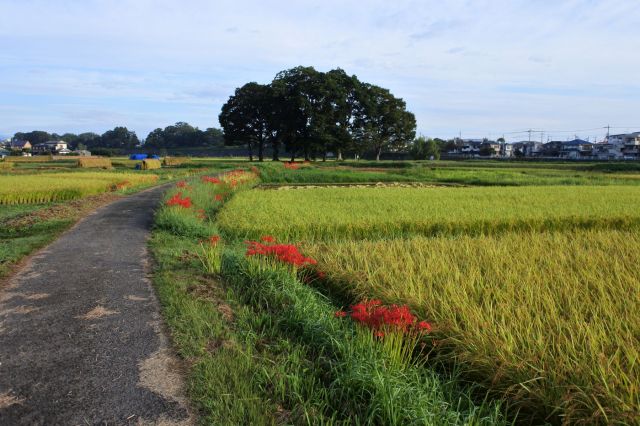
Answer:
(473, 68)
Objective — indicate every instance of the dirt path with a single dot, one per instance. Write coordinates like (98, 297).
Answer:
(81, 337)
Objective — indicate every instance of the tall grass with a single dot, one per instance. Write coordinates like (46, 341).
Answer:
(549, 320)
(50, 187)
(355, 213)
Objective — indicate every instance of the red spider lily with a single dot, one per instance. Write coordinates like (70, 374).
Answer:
(209, 179)
(201, 214)
(268, 239)
(423, 325)
(177, 200)
(286, 253)
(291, 166)
(218, 197)
(181, 184)
(214, 240)
(377, 316)
(340, 314)
(321, 275)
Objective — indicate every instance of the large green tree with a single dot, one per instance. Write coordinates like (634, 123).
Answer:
(245, 118)
(312, 113)
(384, 121)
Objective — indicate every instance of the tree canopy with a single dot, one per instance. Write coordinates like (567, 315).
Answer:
(182, 135)
(312, 113)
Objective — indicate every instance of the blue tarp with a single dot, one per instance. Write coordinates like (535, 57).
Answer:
(138, 157)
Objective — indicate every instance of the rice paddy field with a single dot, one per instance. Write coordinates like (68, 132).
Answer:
(533, 290)
(52, 187)
(338, 213)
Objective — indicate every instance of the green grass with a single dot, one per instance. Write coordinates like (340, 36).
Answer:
(354, 213)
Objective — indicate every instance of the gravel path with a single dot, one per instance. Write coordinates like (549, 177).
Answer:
(81, 336)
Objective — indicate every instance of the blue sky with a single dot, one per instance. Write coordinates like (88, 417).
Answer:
(482, 68)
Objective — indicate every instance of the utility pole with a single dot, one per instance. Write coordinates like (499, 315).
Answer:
(529, 131)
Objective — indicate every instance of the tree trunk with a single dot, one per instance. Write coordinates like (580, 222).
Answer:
(378, 152)
(306, 154)
(324, 156)
(339, 154)
(261, 151)
(276, 149)
(250, 151)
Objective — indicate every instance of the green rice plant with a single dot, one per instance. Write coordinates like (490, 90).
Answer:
(50, 187)
(318, 214)
(94, 162)
(546, 320)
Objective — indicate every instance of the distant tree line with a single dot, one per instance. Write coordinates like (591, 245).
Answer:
(183, 135)
(180, 135)
(311, 113)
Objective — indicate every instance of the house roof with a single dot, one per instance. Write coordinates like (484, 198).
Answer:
(19, 144)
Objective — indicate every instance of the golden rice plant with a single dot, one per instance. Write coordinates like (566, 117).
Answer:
(51, 187)
(6, 164)
(174, 161)
(548, 320)
(150, 163)
(94, 162)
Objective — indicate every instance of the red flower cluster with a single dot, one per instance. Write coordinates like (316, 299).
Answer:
(177, 200)
(268, 239)
(291, 166)
(286, 253)
(376, 316)
(218, 197)
(210, 179)
(214, 240)
(201, 214)
(181, 184)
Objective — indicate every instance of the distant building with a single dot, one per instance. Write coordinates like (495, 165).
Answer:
(576, 149)
(527, 149)
(51, 147)
(19, 145)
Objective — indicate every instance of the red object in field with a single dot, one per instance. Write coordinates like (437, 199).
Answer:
(177, 200)
(286, 253)
(209, 179)
(375, 315)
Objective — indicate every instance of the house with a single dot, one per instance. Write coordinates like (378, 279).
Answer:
(527, 149)
(4, 153)
(506, 150)
(19, 145)
(50, 147)
(576, 149)
(489, 148)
